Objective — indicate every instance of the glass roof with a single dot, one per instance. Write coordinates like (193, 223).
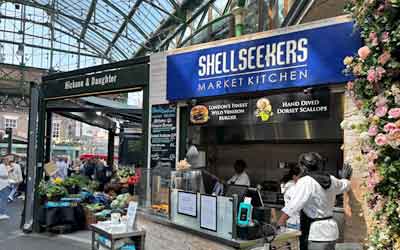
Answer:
(95, 30)
(68, 34)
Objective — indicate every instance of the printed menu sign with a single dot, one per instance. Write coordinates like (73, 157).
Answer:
(208, 212)
(268, 109)
(163, 135)
(187, 203)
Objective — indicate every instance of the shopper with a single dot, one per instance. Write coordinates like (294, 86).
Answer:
(14, 179)
(288, 187)
(62, 168)
(4, 189)
(240, 177)
(314, 198)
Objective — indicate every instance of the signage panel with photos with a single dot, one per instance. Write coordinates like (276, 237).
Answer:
(295, 106)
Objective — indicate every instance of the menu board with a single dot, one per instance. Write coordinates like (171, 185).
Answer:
(163, 135)
(187, 203)
(208, 212)
(265, 109)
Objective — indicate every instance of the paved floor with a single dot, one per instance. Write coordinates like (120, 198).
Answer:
(11, 238)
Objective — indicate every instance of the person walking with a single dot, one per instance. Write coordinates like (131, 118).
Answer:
(314, 198)
(4, 188)
(14, 179)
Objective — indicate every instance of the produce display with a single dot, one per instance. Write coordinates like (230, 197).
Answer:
(81, 190)
(121, 201)
(125, 172)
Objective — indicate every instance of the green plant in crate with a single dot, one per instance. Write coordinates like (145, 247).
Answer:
(54, 191)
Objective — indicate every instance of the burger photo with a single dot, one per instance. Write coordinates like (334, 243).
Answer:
(199, 114)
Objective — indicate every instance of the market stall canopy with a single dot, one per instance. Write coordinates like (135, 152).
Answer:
(91, 156)
(97, 111)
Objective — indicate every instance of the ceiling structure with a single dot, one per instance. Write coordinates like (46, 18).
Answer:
(63, 35)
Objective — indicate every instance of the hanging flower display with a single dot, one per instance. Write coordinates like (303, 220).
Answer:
(376, 93)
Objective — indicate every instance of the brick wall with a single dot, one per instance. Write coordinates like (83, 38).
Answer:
(355, 216)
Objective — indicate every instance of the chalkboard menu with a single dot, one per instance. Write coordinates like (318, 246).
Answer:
(163, 136)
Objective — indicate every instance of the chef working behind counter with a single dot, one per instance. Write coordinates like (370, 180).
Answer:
(314, 197)
(240, 177)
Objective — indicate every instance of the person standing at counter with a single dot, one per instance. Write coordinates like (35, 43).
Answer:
(240, 177)
(314, 198)
(288, 188)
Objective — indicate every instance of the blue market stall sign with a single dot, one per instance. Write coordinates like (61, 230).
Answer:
(304, 58)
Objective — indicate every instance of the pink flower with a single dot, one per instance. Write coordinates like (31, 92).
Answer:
(364, 52)
(394, 136)
(385, 37)
(350, 85)
(379, 72)
(384, 58)
(381, 101)
(375, 75)
(372, 155)
(389, 127)
(394, 113)
(373, 130)
(373, 38)
(381, 140)
(381, 111)
(381, 9)
(371, 75)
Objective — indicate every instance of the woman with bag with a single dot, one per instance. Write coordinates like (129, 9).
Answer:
(14, 179)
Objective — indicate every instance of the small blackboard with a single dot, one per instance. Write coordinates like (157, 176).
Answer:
(163, 135)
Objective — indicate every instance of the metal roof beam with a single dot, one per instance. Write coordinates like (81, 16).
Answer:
(176, 6)
(89, 15)
(47, 48)
(199, 11)
(124, 24)
(164, 11)
(47, 24)
(128, 17)
(35, 4)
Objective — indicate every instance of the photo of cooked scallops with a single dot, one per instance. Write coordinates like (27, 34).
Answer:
(264, 109)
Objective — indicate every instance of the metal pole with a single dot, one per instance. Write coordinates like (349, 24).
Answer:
(9, 140)
(239, 12)
(27, 218)
(40, 158)
(235, 203)
(110, 155)
(49, 126)
(145, 138)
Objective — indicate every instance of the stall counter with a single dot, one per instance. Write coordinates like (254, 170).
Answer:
(166, 235)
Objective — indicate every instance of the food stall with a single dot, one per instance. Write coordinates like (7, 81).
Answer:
(263, 98)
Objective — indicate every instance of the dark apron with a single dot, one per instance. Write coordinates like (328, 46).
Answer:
(305, 226)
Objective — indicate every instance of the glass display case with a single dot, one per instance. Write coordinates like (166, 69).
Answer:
(160, 190)
(190, 180)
